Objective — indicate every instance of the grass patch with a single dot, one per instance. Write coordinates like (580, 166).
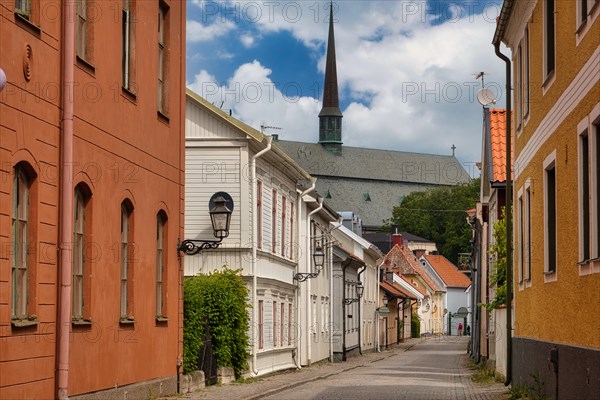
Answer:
(482, 374)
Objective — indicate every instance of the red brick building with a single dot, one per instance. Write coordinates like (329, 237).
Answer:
(91, 196)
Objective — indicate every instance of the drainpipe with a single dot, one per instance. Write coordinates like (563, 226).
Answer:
(359, 323)
(254, 248)
(66, 200)
(307, 234)
(508, 217)
(339, 223)
(309, 261)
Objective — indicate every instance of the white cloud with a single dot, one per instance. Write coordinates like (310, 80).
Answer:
(410, 80)
(196, 32)
(247, 40)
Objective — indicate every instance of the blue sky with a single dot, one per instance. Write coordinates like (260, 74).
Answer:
(406, 68)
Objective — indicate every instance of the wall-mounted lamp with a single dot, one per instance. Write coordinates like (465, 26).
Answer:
(359, 292)
(318, 260)
(385, 300)
(220, 217)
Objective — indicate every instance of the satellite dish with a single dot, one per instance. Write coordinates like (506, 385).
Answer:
(485, 97)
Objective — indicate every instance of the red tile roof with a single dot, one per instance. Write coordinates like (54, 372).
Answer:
(395, 291)
(451, 276)
(404, 261)
(498, 144)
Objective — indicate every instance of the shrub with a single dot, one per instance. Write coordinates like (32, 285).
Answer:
(218, 299)
(415, 326)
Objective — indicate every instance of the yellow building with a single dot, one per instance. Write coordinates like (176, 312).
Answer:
(555, 49)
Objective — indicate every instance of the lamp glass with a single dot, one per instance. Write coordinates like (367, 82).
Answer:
(319, 257)
(385, 299)
(359, 289)
(220, 217)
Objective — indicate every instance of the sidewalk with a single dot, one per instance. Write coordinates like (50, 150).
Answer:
(277, 382)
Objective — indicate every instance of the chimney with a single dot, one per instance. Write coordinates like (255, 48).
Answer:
(397, 239)
(389, 276)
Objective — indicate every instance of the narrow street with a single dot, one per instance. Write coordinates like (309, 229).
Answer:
(428, 369)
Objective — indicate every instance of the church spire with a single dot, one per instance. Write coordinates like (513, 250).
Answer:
(330, 117)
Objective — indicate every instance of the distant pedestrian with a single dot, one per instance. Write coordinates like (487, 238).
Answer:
(460, 328)
(468, 330)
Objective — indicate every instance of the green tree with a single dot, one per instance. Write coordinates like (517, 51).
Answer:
(498, 253)
(438, 214)
(218, 299)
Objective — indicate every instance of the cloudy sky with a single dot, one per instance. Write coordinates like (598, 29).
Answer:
(406, 69)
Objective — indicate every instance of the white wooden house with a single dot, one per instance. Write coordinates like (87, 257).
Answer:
(267, 239)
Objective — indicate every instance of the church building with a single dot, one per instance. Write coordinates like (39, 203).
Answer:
(366, 182)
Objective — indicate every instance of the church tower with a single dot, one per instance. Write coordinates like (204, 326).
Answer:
(330, 117)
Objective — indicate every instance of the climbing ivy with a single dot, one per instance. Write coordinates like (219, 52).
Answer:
(498, 274)
(218, 299)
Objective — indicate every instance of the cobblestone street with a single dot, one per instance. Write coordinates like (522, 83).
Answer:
(427, 369)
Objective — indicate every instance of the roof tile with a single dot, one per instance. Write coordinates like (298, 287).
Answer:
(451, 276)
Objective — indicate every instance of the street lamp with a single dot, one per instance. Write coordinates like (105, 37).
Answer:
(385, 300)
(220, 217)
(359, 292)
(318, 260)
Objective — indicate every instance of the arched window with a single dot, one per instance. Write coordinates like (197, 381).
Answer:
(81, 246)
(126, 264)
(20, 243)
(161, 259)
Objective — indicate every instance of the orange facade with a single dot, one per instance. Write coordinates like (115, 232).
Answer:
(127, 187)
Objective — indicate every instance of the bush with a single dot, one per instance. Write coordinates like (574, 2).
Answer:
(415, 326)
(218, 299)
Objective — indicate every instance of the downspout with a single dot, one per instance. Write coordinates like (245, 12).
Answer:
(309, 261)
(307, 234)
(66, 200)
(345, 265)
(254, 249)
(339, 223)
(508, 216)
(359, 321)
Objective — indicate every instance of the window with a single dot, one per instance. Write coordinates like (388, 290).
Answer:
(20, 243)
(289, 324)
(261, 324)
(274, 223)
(519, 86)
(292, 230)
(161, 223)
(80, 309)
(549, 38)
(282, 322)
(283, 216)
(126, 261)
(84, 34)
(128, 38)
(595, 185)
(525, 86)
(274, 324)
(163, 58)
(521, 222)
(259, 213)
(584, 171)
(550, 214)
(23, 8)
(528, 232)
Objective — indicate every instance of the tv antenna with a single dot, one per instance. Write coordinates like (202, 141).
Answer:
(263, 127)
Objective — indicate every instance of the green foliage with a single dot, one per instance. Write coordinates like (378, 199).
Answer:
(218, 299)
(529, 392)
(438, 214)
(415, 326)
(498, 274)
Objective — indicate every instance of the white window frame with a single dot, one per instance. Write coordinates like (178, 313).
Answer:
(525, 86)
(527, 231)
(124, 262)
(549, 163)
(81, 33)
(521, 238)
(161, 57)
(23, 8)
(590, 126)
(126, 42)
(161, 224)
(584, 24)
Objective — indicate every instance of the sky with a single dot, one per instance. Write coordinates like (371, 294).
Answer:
(406, 69)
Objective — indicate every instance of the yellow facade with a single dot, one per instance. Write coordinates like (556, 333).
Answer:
(563, 307)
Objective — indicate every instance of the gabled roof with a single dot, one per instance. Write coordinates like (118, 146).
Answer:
(404, 261)
(451, 276)
(396, 291)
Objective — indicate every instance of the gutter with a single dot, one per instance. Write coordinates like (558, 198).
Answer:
(254, 248)
(313, 184)
(66, 201)
(309, 262)
(498, 36)
(364, 268)
(339, 223)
